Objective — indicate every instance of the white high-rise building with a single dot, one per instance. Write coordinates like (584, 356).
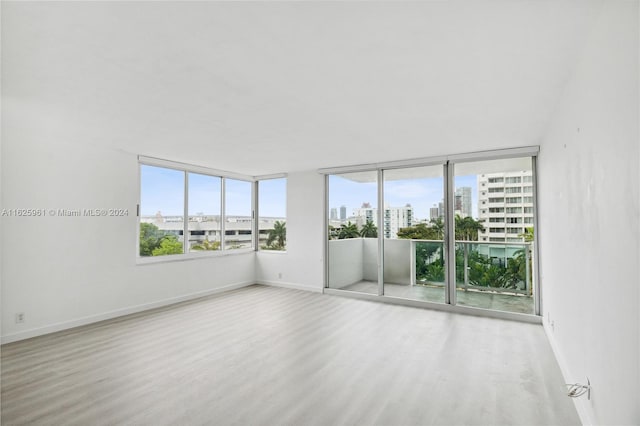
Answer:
(463, 201)
(394, 218)
(505, 205)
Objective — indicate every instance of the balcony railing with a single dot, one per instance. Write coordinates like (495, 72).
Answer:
(496, 267)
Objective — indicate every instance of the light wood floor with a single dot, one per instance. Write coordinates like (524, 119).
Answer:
(263, 355)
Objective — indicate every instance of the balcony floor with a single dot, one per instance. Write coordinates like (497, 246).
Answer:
(477, 299)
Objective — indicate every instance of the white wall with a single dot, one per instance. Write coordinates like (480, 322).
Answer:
(346, 264)
(397, 263)
(370, 259)
(589, 219)
(64, 271)
(302, 265)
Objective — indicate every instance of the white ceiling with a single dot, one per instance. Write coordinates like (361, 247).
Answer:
(269, 87)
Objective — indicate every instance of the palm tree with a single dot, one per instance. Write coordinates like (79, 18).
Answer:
(467, 228)
(438, 226)
(350, 230)
(277, 236)
(527, 235)
(369, 230)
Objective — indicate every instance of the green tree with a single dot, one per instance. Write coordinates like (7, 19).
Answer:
(169, 244)
(467, 228)
(438, 227)
(429, 255)
(369, 230)
(420, 231)
(277, 236)
(206, 245)
(350, 230)
(333, 233)
(150, 237)
(527, 235)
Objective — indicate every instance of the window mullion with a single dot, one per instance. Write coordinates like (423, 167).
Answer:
(223, 214)
(185, 222)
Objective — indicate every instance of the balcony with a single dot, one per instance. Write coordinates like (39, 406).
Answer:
(489, 275)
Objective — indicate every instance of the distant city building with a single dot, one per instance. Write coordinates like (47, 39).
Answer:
(434, 212)
(237, 229)
(334, 214)
(394, 218)
(505, 205)
(343, 213)
(463, 206)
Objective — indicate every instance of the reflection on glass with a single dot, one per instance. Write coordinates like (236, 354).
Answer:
(414, 256)
(204, 213)
(161, 211)
(353, 232)
(238, 217)
(494, 237)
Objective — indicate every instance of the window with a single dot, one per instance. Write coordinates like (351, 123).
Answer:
(355, 232)
(413, 205)
(204, 212)
(172, 192)
(528, 200)
(161, 211)
(238, 213)
(528, 210)
(272, 208)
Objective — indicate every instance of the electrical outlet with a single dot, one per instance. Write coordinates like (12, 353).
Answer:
(279, 275)
(19, 317)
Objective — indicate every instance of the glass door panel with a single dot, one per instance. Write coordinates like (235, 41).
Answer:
(494, 217)
(353, 232)
(413, 230)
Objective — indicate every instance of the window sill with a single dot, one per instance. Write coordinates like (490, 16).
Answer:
(152, 260)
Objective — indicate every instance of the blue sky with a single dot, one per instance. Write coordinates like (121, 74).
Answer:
(422, 193)
(163, 190)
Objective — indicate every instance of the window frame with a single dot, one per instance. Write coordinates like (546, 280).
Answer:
(259, 179)
(186, 169)
(449, 162)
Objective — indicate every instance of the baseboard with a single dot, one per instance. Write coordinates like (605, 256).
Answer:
(290, 285)
(585, 412)
(65, 325)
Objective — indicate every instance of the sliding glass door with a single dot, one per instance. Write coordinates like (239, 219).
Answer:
(459, 231)
(494, 239)
(413, 231)
(353, 232)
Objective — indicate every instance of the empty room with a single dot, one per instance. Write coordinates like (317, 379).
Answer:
(320, 213)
